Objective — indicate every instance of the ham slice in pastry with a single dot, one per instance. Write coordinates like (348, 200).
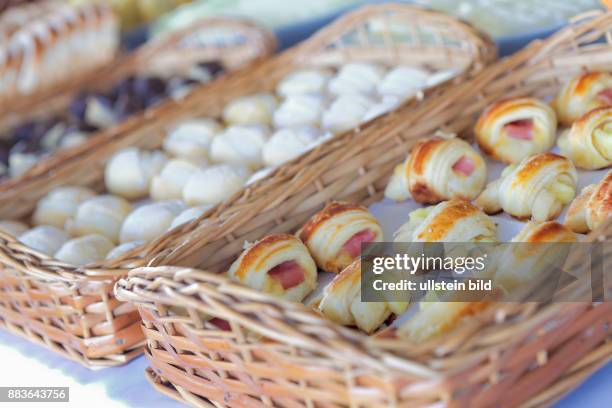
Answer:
(438, 169)
(515, 128)
(583, 94)
(592, 207)
(278, 264)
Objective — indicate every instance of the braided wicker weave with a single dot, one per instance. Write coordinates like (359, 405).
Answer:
(73, 310)
(282, 354)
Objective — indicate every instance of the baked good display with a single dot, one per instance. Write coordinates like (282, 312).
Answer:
(346, 112)
(588, 143)
(287, 144)
(84, 250)
(403, 82)
(356, 78)
(169, 183)
(241, 144)
(214, 184)
(592, 207)
(538, 187)
(582, 94)
(515, 128)
(299, 109)
(100, 215)
(46, 239)
(256, 109)
(130, 171)
(334, 235)
(192, 138)
(304, 81)
(277, 264)
(149, 221)
(438, 169)
(60, 204)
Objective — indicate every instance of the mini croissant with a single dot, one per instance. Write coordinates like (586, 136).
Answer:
(583, 94)
(592, 207)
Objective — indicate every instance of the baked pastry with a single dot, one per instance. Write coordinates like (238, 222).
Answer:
(356, 78)
(385, 105)
(342, 304)
(102, 215)
(346, 113)
(60, 204)
(278, 264)
(403, 82)
(287, 144)
(44, 238)
(334, 235)
(592, 207)
(192, 138)
(296, 110)
(438, 169)
(122, 249)
(85, 250)
(129, 172)
(258, 175)
(256, 109)
(515, 128)
(215, 184)
(450, 221)
(241, 144)
(150, 221)
(589, 141)
(538, 187)
(304, 81)
(189, 214)
(169, 184)
(583, 94)
(14, 228)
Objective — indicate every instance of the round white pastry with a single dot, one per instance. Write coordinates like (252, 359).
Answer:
(60, 204)
(299, 110)
(403, 82)
(240, 144)
(118, 251)
(304, 81)
(346, 113)
(102, 215)
(387, 104)
(85, 250)
(356, 78)
(150, 221)
(168, 185)
(130, 171)
(289, 143)
(250, 109)
(15, 228)
(191, 138)
(44, 238)
(189, 214)
(215, 184)
(19, 163)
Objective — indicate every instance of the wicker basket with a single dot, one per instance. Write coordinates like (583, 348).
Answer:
(73, 310)
(282, 354)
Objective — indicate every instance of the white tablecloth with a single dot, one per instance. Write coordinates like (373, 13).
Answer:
(26, 364)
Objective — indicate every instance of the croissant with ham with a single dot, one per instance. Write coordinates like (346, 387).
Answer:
(515, 128)
(438, 169)
(334, 235)
(278, 264)
(538, 187)
(583, 94)
(589, 141)
(592, 207)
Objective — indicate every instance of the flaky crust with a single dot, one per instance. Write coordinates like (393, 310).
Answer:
(592, 207)
(579, 96)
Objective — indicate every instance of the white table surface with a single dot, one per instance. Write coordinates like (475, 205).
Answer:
(26, 364)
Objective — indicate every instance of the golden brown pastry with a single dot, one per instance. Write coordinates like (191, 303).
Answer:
(436, 170)
(583, 94)
(334, 235)
(278, 264)
(592, 207)
(342, 304)
(512, 129)
(589, 142)
(537, 187)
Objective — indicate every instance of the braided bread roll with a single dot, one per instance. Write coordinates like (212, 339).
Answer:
(589, 141)
(583, 94)
(342, 304)
(537, 187)
(334, 235)
(592, 207)
(436, 170)
(278, 264)
(515, 128)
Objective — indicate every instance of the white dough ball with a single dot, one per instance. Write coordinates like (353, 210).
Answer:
(189, 214)
(191, 138)
(102, 215)
(130, 171)
(150, 221)
(356, 78)
(346, 113)
(118, 251)
(287, 144)
(403, 82)
(240, 144)
(305, 81)
(44, 238)
(387, 104)
(215, 184)
(60, 204)
(299, 110)
(15, 228)
(168, 185)
(250, 109)
(85, 250)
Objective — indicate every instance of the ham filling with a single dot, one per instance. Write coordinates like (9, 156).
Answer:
(520, 129)
(353, 245)
(289, 274)
(605, 96)
(465, 166)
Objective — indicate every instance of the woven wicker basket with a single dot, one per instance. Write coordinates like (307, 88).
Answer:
(513, 354)
(73, 310)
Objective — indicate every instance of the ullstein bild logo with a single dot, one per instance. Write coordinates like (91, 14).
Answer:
(504, 272)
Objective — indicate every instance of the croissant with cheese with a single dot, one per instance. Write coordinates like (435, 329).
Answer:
(592, 207)
(583, 94)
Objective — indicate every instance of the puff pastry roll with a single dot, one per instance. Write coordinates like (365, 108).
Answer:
(515, 128)
(299, 110)
(537, 187)
(592, 207)
(356, 78)
(305, 81)
(589, 141)
(438, 169)
(450, 221)
(334, 235)
(256, 109)
(583, 94)
(278, 264)
(241, 144)
(342, 304)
